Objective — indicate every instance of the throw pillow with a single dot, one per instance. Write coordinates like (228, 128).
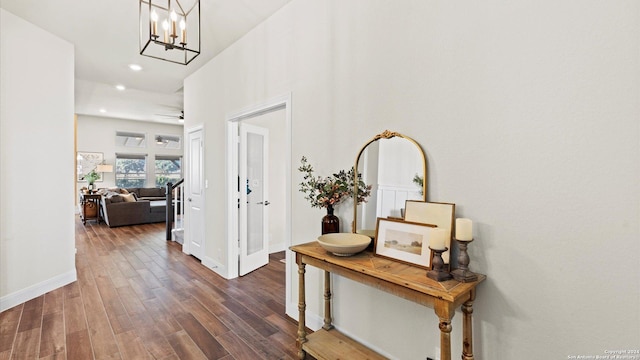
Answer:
(116, 199)
(133, 190)
(123, 191)
(128, 198)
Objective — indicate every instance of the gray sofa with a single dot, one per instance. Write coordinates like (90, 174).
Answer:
(119, 208)
(148, 193)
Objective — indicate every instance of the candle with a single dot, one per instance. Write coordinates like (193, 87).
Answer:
(154, 23)
(183, 27)
(437, 238)
(165, 26)
(174, 17)
(464, 229)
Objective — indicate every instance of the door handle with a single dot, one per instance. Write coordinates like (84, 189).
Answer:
(265, 203)
(189, 199)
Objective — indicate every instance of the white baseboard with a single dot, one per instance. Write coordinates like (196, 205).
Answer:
(33, 291)
(215, 266)
(222, 270)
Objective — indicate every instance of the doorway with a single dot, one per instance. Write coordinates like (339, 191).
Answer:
(274, 115)
(194, 205)
(254, 227)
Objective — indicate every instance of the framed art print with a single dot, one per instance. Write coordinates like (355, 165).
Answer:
(440, 214)
(404, 241)
(87, 161)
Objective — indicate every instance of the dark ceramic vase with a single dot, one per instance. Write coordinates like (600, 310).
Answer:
(330, 222)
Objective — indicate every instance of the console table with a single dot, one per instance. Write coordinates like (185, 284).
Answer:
(400, 279)
(90, 207)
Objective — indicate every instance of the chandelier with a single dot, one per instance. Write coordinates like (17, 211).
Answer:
(164, 26)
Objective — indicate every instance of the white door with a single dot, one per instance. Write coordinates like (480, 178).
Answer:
(194, 236)
(254, 197)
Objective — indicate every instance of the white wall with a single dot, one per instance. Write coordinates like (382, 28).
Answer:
(37, 244)
(98, 134)
(528, 112)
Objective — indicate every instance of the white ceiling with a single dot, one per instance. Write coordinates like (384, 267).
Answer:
(105, 36)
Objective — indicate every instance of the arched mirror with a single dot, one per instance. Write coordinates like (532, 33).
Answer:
(396, 168)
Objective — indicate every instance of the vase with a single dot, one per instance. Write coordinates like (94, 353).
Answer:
(330, 222)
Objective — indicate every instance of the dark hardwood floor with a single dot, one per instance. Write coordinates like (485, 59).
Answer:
(139, 297)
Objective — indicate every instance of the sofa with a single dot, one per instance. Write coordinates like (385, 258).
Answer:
(122, 207)
(150, 194)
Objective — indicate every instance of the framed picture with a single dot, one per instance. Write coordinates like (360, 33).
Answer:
(87, 161)
(404, 241)
(440, 214)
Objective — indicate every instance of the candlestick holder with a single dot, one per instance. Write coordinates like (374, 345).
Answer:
(462, 273)
(437, 271)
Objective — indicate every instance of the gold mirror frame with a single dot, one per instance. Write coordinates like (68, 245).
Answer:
(385, 135)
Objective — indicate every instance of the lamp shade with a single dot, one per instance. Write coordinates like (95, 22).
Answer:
(104, 168)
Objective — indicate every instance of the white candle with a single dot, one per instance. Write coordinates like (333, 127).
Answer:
(154, 23)
(165, 26)
(464, 229)
(437, 238)
(183, 28)
(174, 18)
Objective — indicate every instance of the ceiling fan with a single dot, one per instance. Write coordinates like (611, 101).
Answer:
(180, 116)
(168, 141)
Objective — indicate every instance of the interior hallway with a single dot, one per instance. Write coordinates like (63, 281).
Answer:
(138, 296)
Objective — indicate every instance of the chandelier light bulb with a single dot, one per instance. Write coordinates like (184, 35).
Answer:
(165, 26)
(154, 23)
(174, 18)
(183, 31)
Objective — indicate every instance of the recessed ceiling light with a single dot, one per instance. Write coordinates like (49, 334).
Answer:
(135, 67)
(121, 87)
(103, 110)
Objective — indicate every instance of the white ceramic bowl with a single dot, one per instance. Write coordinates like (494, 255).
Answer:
(344, 244)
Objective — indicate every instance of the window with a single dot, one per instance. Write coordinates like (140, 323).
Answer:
(130, 139)
(131, 170)
(168, 169)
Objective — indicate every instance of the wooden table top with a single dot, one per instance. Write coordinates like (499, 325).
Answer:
(388, 270)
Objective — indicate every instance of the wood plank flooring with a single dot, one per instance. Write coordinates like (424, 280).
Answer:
(139, 297)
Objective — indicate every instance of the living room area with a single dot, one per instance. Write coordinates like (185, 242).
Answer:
(141, 157)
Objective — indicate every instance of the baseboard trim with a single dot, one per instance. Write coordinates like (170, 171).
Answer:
(33, 291)
(215, 266)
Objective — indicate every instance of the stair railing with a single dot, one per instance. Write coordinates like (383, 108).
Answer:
(173, 212)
